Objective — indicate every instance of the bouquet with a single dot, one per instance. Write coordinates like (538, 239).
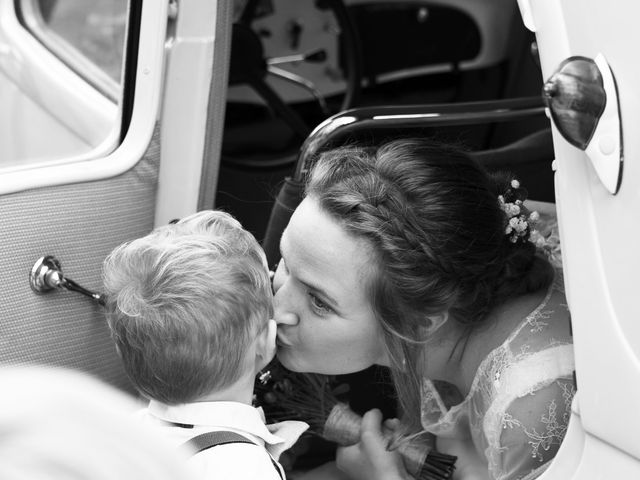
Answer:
(313, 399)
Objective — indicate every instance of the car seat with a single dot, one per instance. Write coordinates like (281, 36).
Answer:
(530, 157)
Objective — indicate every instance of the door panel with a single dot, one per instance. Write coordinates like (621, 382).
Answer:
(78, 209)
(79, 224)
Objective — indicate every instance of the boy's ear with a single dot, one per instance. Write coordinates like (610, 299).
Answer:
(266, 345)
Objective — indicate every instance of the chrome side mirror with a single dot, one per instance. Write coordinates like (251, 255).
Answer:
(582, 100)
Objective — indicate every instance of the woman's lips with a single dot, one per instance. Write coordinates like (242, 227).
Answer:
(282, 343)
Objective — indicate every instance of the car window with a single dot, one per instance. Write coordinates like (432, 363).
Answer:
(80, 31)
(61, 81)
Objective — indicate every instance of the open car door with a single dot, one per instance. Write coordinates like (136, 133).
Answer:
(95, 120)
(591, 76)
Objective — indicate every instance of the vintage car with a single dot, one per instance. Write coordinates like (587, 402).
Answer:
(120, 115)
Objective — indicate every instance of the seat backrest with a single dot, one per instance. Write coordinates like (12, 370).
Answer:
(529, 158)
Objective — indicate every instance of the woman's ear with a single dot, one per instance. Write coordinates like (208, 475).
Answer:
(266, 345)
(434, 322)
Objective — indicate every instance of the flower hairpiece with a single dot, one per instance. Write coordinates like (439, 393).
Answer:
(520, 220)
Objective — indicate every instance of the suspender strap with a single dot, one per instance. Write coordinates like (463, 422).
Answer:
(208, 440)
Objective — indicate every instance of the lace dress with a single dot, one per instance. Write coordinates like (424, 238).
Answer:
(518, 408)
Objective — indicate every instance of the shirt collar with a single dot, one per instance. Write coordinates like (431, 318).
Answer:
(234, 415)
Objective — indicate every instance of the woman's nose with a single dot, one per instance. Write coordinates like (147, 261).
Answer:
(285, 311)
(276, 276)
(284, 297)
(286, 318)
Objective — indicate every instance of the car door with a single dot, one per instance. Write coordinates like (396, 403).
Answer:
(596, 182)
(106, 106)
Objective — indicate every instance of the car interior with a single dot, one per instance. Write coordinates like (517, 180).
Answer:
(458, 57)
(119, 116)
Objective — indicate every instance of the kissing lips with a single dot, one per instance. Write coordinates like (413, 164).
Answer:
(282, 343)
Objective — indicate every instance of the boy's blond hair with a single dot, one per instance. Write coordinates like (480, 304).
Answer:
(185, 302)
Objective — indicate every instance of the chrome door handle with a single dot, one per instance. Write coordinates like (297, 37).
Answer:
(46, 275)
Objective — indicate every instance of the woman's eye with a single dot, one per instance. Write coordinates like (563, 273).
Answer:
(319, 306)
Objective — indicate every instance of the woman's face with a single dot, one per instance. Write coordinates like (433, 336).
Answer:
(325, 320)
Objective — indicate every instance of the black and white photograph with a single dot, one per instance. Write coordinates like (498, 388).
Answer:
(319, 240)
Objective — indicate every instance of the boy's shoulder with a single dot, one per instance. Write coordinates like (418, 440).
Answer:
(228, 454)
(214, 438)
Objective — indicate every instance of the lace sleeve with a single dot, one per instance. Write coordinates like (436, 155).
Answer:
(533, 427)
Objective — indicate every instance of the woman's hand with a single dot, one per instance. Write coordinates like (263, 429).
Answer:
(369, 459)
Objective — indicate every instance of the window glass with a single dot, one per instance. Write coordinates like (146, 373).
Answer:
(62, 90)
(94, 28)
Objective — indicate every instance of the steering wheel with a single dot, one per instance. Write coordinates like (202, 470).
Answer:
(250, 66)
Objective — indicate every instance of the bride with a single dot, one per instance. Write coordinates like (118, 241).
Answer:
(412, 256)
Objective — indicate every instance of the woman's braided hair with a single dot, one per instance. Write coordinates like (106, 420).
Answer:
(437, 231)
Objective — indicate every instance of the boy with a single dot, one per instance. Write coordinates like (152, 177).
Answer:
(190, 308)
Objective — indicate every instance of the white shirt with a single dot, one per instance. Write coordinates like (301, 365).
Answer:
(237, 461)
